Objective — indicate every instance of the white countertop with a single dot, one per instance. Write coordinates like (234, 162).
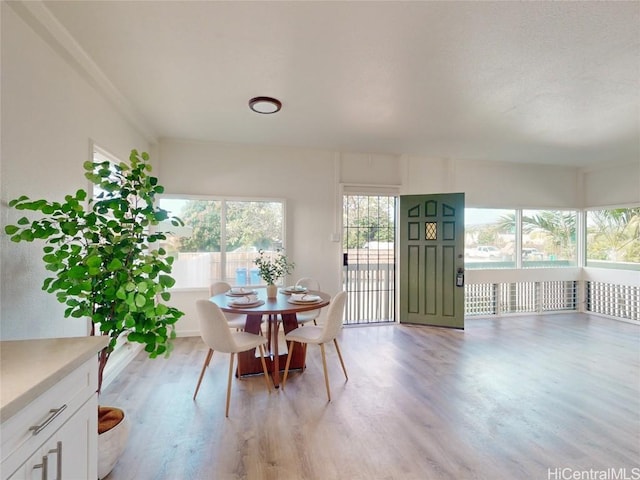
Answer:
(28, 368)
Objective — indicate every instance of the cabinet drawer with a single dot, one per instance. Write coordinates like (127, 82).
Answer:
(48, 412)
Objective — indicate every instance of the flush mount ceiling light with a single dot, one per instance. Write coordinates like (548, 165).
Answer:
(265, 105)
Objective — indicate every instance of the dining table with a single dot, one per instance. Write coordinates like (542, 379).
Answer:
(280, 310)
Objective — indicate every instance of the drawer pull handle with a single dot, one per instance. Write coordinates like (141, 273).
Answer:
(54, 413)
(44, 467)
(58, 452)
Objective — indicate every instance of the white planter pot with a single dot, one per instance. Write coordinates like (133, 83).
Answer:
(110, 446)
(272, 291)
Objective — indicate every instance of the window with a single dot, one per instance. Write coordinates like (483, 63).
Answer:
(222, 238)
(548, 238)
(107, 161)
(613, 238)
(490, 238)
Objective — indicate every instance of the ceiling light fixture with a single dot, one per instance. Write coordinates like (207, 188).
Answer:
(265, 105)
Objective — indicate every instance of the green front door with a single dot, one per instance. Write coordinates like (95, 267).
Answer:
(432, 259)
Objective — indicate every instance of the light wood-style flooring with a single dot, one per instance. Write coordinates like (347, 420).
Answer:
(532, 397)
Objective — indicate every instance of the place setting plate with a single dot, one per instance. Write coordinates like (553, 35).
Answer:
(240, 292)
(293, 290)
(304, 298)
(245, 302)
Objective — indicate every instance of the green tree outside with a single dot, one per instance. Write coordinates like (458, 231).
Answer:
(368, 219)
(613, 235)
(247, 224)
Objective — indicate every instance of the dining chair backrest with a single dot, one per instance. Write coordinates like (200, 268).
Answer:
(335, 313)
(216, 288)
(214, 328)
(310, 283)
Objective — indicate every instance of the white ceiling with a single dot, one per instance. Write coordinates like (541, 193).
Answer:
(535, 82)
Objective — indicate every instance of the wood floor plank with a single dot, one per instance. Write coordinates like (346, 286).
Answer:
(506, 398)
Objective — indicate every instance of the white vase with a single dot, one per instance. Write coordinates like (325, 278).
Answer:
(272, 291)
(111, 445)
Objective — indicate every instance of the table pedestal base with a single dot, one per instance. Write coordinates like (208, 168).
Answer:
(249, 364)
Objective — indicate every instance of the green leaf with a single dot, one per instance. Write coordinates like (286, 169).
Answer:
(140, 300)
(26, 235)
(10, 229)
(77, 272)
(14, 202)
(129, 321)
(94, 261)
(69, 228)
(114, 265)
(166, 281)
(50, 258)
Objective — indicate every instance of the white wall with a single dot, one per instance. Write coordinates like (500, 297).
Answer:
(612, 185)
(50, 114)
(489, 184)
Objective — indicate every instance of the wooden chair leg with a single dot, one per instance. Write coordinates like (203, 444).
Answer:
(335, 341)
(286, 367)
(326, 374)
(204, 367)
(264, 368)
(229, 383)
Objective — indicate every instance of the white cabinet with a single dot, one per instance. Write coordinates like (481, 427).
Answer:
(55, 434)
(67, 453)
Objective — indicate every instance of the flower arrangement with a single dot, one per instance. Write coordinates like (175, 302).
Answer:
(273, 267)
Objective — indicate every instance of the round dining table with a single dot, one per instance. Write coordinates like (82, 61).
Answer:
(279, 310)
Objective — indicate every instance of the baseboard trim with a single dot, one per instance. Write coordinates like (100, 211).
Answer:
(118, 360)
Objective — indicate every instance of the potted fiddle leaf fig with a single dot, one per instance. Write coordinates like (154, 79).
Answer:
(103, 257)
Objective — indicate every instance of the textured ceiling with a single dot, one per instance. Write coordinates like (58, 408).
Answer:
(535, 82)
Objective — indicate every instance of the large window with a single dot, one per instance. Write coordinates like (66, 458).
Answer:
(490, 238)
(613, 238)
(222, 238)
(547, 238)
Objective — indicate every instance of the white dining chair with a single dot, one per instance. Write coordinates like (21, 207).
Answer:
(320, 335)
(218, 337)
(235, 320)
(304, 317)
